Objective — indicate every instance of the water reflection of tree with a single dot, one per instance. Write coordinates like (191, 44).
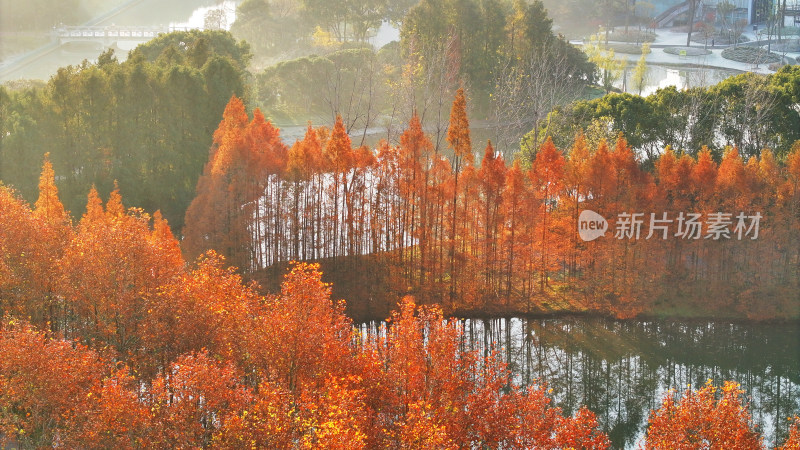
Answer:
(621, 369)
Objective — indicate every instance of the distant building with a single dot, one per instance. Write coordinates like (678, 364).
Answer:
(669, 12)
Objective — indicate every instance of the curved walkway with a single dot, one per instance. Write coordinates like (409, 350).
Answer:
(666, 38)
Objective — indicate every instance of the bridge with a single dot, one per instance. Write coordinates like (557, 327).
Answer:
(793, 10)
(668, 16)
(109, 35)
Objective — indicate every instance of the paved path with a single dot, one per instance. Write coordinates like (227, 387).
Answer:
(666, 38)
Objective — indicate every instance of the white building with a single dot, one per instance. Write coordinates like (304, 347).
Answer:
(668, 12)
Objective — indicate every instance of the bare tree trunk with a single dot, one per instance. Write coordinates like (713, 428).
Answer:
(692, 7)
(527, 91)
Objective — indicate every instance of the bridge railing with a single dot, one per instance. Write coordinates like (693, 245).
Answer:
(134, 33)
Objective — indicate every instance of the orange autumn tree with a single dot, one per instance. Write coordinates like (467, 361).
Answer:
(304, 164)
(193, 400)
(440, 195)
(491, 179)
(270, 421)
(513, 232)
(226, 214)
(339, 156)
(205, 308)
(547, 174)
(793, 442)
(425, 391)
(790, 196)
(46, 385)
(212, 213)
(48, 205)
(635, 192)
(704, 176)
(458, 139)
(259, 185)
(111, 272)
(18, 243)
(54, 234)
(32, 241)
(575, 181)
(675, 196)
(294, 357)
(598, 194)
(415, 156)
(709, 417)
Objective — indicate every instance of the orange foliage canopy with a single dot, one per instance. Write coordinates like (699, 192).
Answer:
(793, 443)
(706, 418)
(458, 130)
(413, 219)
(139, 349)
(300, 378)
(147, 352)
(230, 190)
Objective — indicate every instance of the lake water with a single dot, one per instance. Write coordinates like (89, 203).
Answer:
(660, 76)
(621, 369)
